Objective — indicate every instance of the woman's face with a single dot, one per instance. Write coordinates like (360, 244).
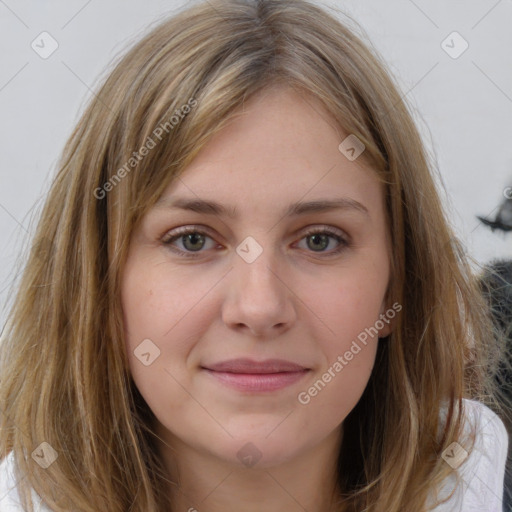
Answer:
(254, 281)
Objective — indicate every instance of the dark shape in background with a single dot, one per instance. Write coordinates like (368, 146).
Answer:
(496, 286)
(503, 219)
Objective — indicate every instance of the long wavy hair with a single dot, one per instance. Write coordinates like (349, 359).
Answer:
(64, 374)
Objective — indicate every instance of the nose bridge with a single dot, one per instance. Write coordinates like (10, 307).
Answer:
(256, 264)
(258, 297)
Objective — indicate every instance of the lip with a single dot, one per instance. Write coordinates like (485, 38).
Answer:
(256, 376)
(245, 365)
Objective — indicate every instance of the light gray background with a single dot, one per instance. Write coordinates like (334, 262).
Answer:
(464, 105)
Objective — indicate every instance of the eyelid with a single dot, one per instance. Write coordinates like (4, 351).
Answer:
(184, 230)
(323, 228)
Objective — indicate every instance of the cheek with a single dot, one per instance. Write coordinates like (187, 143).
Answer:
(163, 315)
(349, 303)
(337, 387)
(349, 306)
(147, 305)
(153, 364)
(346, 387)
(156, 304)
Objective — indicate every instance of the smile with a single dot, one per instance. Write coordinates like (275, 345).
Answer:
(257, 382)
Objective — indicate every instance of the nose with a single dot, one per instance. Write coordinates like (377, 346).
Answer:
(258, 298)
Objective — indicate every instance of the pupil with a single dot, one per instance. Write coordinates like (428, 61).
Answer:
(322, 237)
(193, 237)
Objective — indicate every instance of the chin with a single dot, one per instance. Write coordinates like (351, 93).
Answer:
(261, 454)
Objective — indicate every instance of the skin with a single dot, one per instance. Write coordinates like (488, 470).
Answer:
(297, 301)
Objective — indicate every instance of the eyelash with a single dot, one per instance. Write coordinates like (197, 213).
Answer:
(171, 237)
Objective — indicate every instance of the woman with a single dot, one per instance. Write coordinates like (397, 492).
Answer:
(252, 371)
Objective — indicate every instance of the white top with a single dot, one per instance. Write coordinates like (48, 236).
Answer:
(482, 473)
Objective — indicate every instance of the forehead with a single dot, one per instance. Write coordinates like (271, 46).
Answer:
(280, 147)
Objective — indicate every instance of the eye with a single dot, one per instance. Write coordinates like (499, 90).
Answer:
(320, 238)
(193, 240)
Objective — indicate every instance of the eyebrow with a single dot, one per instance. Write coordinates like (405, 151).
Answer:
(295, 209)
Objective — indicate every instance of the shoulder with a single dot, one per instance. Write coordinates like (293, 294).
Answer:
(9, 497)
(481, 471)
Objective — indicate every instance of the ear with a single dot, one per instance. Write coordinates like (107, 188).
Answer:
(386, 321)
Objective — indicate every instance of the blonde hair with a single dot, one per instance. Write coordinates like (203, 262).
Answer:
(64, 374)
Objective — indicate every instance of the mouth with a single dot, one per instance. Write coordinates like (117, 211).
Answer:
(253, 376)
